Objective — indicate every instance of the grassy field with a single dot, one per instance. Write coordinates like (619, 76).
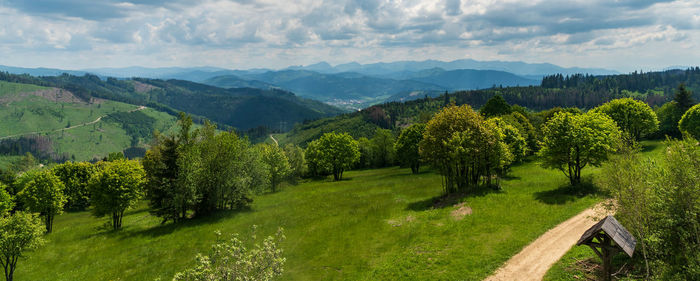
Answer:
(375, 225)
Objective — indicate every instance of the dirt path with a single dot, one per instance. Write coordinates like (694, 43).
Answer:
(275, 140)
(535, 259)
(68, 128)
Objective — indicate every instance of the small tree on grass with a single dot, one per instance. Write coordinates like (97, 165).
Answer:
(19, 233)
(231, 260)
(297, 160)
(572, 142)
(690, 123)
(115, 188)
(383, 148)
(276, 163)
(407, 146)
(44, 194)
(466, 152)
(333, 152)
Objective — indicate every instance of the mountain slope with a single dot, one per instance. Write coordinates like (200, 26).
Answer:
(53, 123)
(242, 108)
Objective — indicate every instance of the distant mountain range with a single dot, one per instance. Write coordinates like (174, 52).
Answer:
(351, 85)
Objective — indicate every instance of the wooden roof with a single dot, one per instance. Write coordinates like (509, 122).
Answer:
(613, 229)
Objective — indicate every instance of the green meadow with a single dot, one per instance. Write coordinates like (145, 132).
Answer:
(383, 224)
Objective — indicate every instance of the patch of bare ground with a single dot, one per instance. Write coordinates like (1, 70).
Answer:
(400, 221)
(52, 94)
(143, 87)
(460, 211)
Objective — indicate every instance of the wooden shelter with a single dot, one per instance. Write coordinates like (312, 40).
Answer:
(607, 238)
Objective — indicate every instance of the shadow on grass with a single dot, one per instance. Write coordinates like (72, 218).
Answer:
(442, 201)
(647, 147)
(568, 193)
(168, 227)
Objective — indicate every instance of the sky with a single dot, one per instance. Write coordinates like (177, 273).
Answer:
(623, 35)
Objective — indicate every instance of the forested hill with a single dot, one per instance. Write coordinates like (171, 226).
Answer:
(242, 108)
(666, 81)
(584, 92)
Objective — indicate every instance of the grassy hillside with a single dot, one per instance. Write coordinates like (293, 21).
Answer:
(376, 225)
(242, 108)
(68, 126)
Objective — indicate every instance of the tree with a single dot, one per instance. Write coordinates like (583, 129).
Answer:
(635, 118)
(683, 98)
(366, 153)
(383, 148)
(44, 194)
(465, 151)
(115, 188)
(276, 163)
(517, 145)
(334, 153)
(19, 233)
(6, 203)
(75, 176)
(297, 160)
(26, 163)
(231, 260)
(495, 106)
(407, 146)
(690, 122)
(170, 187)
(669, 115)
(572, 142)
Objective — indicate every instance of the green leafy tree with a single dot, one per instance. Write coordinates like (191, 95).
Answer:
(297, 160)
(19, 233)
(669, 115)
(635, 118)
(114, 156)
(525, 128)
(115, 188)
(495, 106)
(366, 153)
(407, 146)
(44, 194)
(334, 153)
(232, 261)
(383, 148)
(6, 202)
(517, 145)
(572, 142)
(690, 122)
(276, 163)
(464, 150)
(75, 176)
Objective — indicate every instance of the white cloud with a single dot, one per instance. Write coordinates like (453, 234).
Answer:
(269, 33)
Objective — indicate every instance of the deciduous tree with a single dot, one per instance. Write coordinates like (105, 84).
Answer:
(572, 142)
(19, 233)
(407, 146)
(115, 188)
(276, 163)
(635, 118)
(690, 122)
(334, 153)
(75, 176)
(44, 194)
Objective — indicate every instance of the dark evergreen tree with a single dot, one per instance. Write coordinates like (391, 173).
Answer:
(684, 98)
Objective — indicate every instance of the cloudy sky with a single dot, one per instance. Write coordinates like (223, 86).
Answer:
(624, 35)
